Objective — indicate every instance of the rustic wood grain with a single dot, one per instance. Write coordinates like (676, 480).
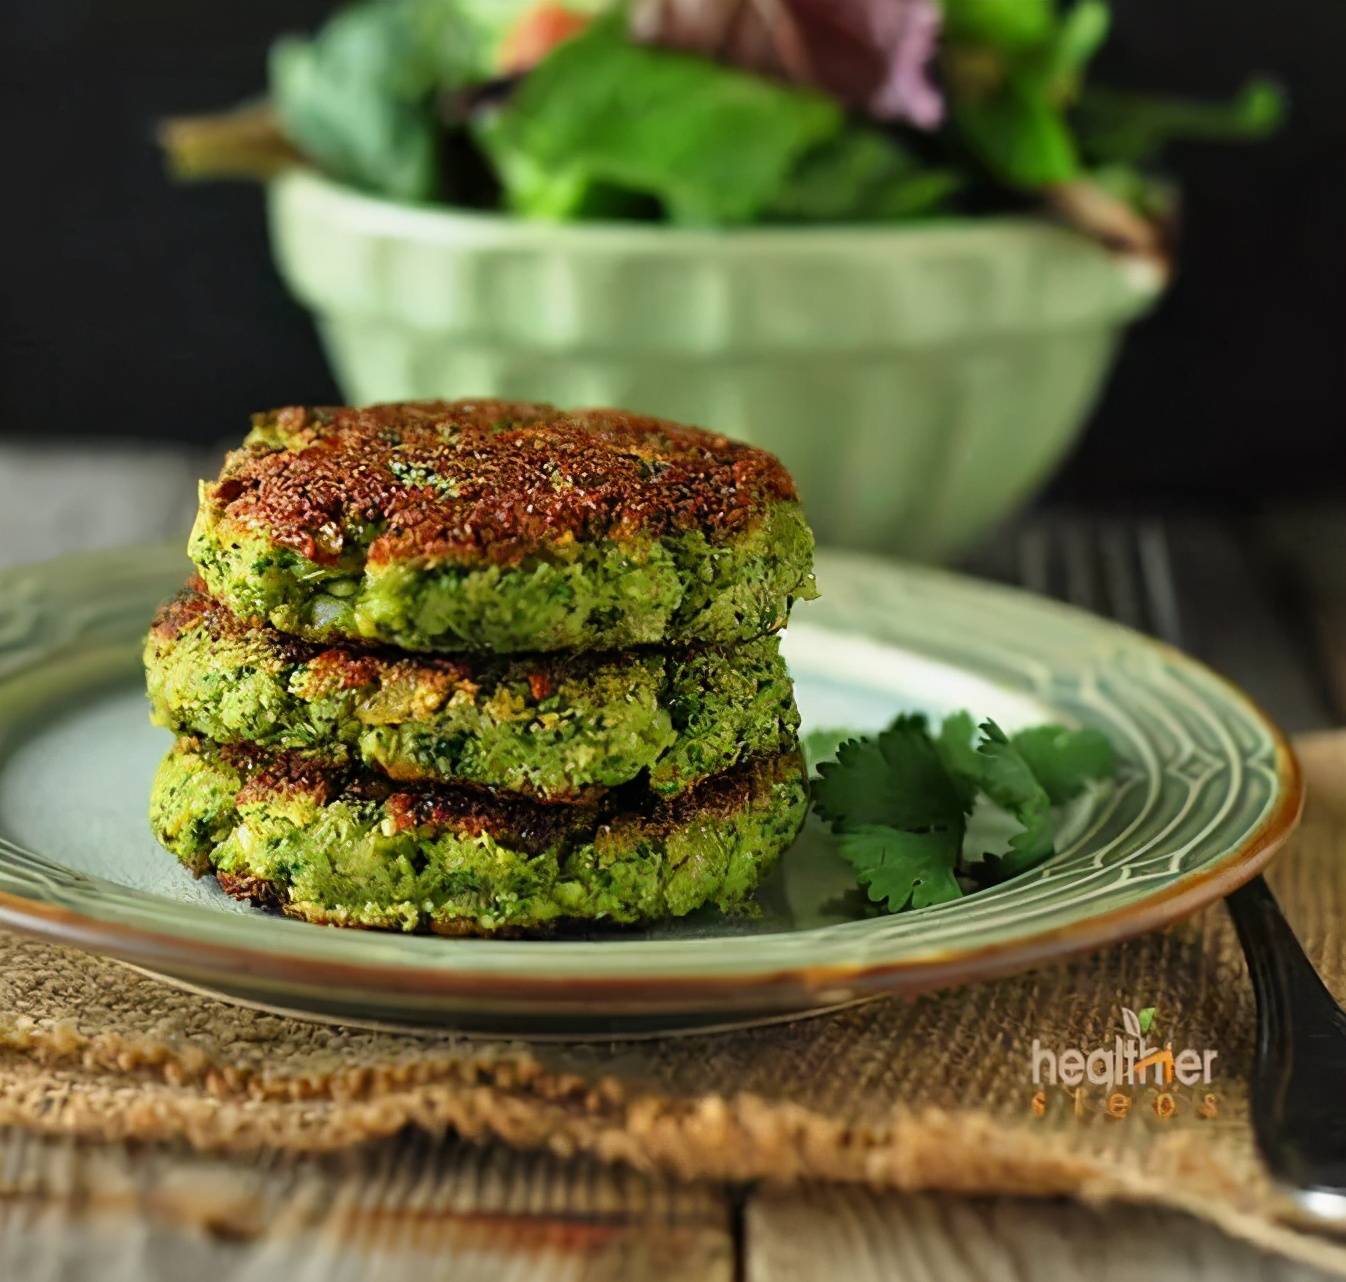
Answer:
(852, 1234)
(1303, 551)
(412, 1209)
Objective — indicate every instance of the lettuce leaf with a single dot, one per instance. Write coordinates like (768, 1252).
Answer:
(862, 175)
(1013, 75)
(1132, 128)
(710, 144)
(356, 98)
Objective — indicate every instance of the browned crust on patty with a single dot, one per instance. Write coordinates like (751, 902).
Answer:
(254, 890)
(194, 607)
(529, 825)
(486, 481)
(183, 611)
(351, 665)
(264, 894)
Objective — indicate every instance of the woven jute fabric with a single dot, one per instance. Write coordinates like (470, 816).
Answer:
(932, 1093)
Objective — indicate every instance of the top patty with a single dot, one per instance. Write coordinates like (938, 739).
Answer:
(440, 525)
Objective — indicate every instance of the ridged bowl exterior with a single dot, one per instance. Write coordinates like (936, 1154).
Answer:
(919, 381)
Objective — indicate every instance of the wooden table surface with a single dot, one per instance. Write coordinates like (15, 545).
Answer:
(417, 1208)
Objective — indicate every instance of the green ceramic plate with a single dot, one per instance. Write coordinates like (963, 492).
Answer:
(1207, 790)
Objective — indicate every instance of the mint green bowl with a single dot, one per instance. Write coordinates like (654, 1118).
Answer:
(919, 381)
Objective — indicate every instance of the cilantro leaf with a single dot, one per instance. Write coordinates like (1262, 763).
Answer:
(1007, 780)
(895, 778)
(959, 755)
(1065, 760)
(995, 766)
(822, 744)
(904, 868)
(899, 800)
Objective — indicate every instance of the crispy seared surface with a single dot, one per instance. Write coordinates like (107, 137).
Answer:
(486, 482)
(445, 527)
(340, 847)
(271, 777)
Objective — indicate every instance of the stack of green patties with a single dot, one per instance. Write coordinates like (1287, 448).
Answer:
(481, 666)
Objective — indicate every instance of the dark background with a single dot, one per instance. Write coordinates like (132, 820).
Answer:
(136, 308)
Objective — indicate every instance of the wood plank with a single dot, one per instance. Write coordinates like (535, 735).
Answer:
(1230, 606)
(417, 1208)
(831, 1232)
(1304, 551)
(1235, 619)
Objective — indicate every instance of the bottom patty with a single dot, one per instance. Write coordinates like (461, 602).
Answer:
(350, 848)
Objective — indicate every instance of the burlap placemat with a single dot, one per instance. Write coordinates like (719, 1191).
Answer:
(935, 1093)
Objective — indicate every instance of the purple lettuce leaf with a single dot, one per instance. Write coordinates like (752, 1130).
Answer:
(874, 56)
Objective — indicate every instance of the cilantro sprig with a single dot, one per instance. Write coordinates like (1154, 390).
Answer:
(899, 801)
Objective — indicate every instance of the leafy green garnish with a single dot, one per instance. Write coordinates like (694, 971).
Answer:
(956, 749)
(899, 813)
(1012, 87)
(904, 869)
(899, 801)
(1005, 24)
(358, 96)
(1078, 36)
(821, 745)
(995, 767)
(1065, 760)
(894, 778)
(712, 144)
(693, 122)
(1019, 135)
(1004, 776)
(1014, 71)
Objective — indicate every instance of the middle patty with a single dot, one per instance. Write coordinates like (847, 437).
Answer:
(561, 728)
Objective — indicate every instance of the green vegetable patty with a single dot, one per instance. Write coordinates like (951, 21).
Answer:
(350, 848)
(555, 727)
(493, 525)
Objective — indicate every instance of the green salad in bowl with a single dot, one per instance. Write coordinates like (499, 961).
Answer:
(894, 241)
